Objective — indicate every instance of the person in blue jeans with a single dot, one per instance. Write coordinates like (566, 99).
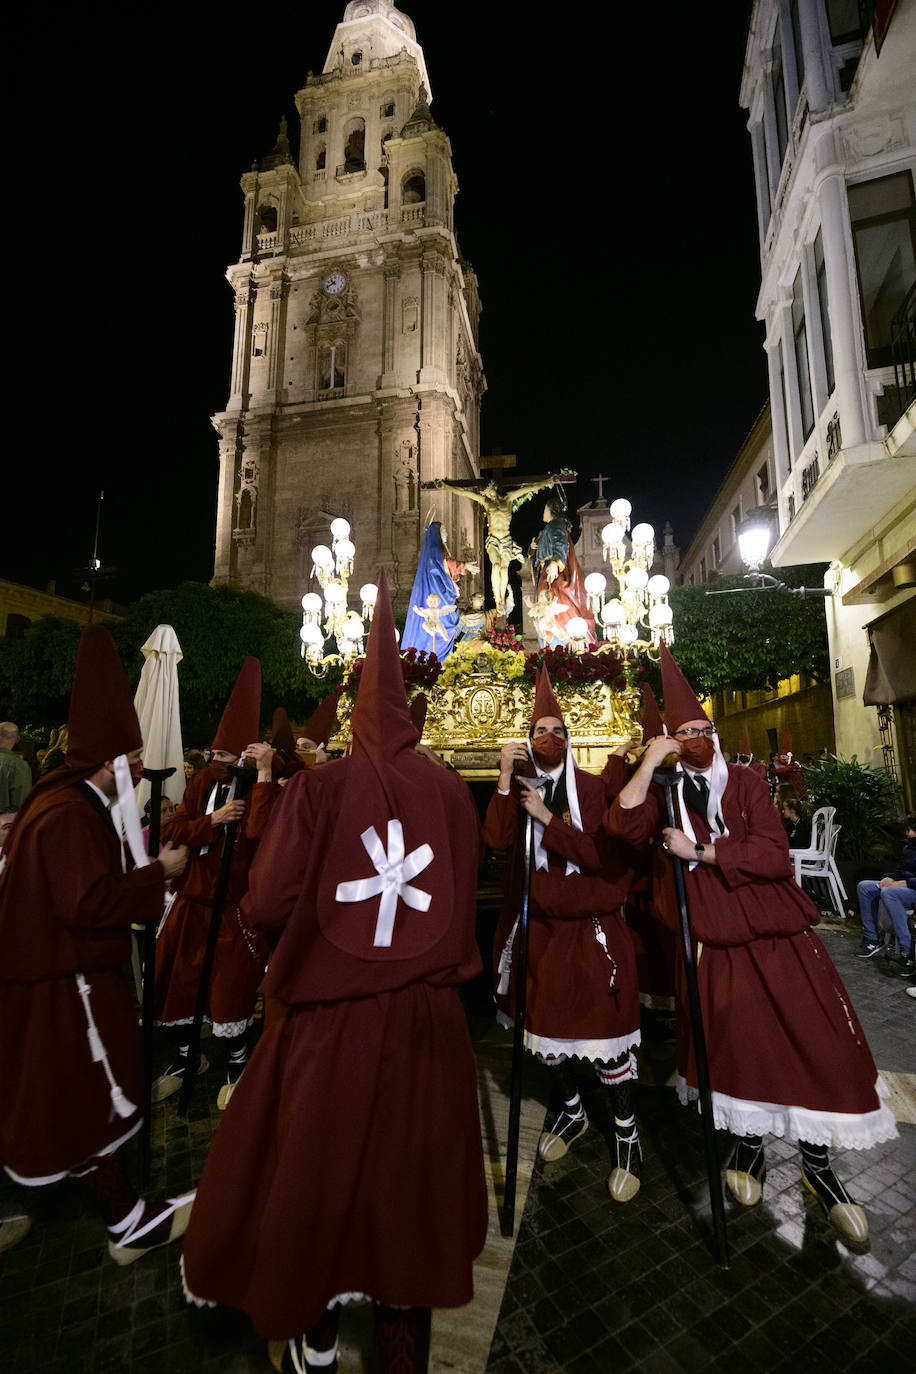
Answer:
(897, 890)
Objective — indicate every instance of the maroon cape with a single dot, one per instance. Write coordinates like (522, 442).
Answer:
(653, 943)
(786, 1051)
(349, 1158)
(569, 975)
(240, 957)
(66, 908)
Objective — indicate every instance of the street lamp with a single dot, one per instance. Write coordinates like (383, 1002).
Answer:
(754, 534)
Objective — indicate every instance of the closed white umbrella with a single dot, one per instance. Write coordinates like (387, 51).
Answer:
(157, 709)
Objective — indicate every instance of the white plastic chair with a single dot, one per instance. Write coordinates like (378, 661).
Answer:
(818, 861)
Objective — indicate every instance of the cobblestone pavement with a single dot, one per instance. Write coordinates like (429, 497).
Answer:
(597, 1287)
(592, 1286)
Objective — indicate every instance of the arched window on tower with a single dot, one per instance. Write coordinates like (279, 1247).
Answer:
(244, 510)
(267, 219)
(355, 145)
(413, 188)
(321, 159)
(332, 366)
(387, 109)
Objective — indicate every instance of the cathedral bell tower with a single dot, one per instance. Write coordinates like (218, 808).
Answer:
(355, 372)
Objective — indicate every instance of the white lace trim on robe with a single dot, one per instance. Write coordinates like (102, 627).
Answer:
(840, 1130)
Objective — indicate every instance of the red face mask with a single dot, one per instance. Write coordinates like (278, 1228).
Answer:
(219, 770)
(697, 753)
(136, 772)
(549, 750)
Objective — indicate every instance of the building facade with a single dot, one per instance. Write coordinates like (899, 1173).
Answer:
(356, 374)
(832, 118)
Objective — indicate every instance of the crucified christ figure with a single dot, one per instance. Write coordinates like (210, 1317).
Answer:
(499, 506)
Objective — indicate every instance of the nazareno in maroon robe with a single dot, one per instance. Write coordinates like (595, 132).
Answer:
(787, 1055)
(66, 909)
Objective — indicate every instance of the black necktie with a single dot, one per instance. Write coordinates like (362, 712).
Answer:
(548, 792)
(696, 794)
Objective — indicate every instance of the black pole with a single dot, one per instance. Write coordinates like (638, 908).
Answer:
(507, 1219)
(244, 779)
(156, 777)
(668, 782)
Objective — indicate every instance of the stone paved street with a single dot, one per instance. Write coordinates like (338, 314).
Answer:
(591, 1287)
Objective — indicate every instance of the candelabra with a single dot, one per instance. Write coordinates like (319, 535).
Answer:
(332, 567)
(639, 617)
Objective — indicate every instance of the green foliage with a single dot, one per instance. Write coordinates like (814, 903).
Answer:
(217, 628)
(752, 639)
(867, 803)
(36, 671)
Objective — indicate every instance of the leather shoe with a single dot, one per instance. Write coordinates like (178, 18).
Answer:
(746, 1185)
(554, 1144)
(848, 1219)
(169, 1083)
(623, 1185)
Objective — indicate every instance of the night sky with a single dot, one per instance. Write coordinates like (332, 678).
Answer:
(606, 202)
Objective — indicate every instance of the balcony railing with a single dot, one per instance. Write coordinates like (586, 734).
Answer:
(903, 352)
(358, 222)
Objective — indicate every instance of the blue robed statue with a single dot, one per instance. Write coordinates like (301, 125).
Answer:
(432, 616)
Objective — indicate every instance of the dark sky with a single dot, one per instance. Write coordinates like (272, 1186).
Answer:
(606, 202)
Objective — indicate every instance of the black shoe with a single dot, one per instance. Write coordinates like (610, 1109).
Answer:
(156, 1224)
(868, 948)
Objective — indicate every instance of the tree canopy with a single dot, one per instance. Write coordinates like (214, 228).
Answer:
(750, 640)
(217, 628)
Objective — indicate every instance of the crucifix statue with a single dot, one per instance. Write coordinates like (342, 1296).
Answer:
(500, 506)
(600, 480)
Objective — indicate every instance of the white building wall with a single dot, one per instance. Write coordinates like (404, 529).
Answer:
(844, 488)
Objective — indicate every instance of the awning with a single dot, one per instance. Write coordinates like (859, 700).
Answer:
(891, 672)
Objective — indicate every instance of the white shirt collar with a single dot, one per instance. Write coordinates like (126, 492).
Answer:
(552, 773)
(99, 793)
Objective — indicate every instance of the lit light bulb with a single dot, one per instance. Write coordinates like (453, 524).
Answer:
(322, 556)
(340, 528)
(368, 594)
(612, 533)
(613, 615)
(658, 585)
(636, 579)
(595, 583)
(311, 603)
(620, 509)
(643, 534)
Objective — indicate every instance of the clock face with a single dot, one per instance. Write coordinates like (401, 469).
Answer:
(334, 283)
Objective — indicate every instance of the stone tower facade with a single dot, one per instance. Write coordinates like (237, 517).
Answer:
(355, 373)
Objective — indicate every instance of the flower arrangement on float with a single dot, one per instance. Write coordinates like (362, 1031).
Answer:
(506, 664)
(421, 671)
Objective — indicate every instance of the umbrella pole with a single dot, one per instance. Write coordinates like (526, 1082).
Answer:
(668, 781)
(507, 1220)
(156, 777)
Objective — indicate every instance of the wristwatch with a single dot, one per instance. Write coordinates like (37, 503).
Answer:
(700, 850)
